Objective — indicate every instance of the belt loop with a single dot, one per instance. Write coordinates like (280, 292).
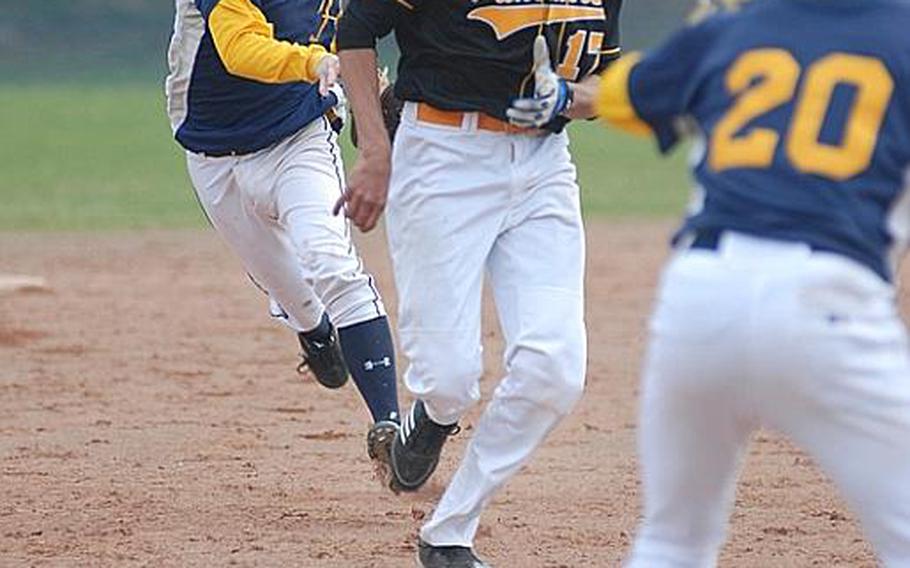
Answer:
(469, 123)
(409, 112)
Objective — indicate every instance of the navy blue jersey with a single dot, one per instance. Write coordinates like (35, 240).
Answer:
(804, 110)
(216, 112)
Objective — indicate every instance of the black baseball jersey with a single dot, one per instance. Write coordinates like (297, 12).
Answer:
(476, 55)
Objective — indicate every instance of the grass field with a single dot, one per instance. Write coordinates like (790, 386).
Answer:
(102, 157)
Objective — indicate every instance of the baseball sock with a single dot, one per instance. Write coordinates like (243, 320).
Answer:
(370, 356)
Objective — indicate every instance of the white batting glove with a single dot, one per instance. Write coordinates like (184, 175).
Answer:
(341, 102)
(328, 70)
(552, 94)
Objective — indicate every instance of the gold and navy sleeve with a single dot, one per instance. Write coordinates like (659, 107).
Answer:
(614, 104)
(365, 21)
(247, 46)
(648, 95)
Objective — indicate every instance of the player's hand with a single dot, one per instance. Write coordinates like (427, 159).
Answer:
(341, 101)
(328, 71)
(338, 114)
(552, 94)
(368, 187)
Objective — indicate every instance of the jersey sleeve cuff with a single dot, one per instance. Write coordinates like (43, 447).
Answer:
(614, 104)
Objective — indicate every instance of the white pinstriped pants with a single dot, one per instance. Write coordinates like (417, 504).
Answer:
(274, 209)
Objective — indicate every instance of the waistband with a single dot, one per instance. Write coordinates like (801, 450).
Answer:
(746, 247)
(323, 122)
(469, 121)
(710, 239)
(330, 118)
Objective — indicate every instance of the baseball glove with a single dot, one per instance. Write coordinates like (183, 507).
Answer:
(390, 104)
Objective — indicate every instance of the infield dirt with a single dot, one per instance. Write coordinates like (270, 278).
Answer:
(150, 415)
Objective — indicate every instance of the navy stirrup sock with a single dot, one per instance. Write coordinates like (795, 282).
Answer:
(370, 357)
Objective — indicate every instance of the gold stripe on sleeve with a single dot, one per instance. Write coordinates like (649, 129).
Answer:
(246, 43)
(613, 102)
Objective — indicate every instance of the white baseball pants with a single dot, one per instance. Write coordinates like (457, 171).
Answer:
(463, 203)
(274, 209)
(769, 334)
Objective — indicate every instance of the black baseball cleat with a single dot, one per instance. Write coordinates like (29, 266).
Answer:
(416, 448)
(323, 357)
(379, 448)
(429, 556)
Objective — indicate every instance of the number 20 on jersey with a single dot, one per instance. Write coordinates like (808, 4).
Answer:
(762, 80)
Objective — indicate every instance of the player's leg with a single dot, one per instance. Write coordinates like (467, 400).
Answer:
(849, 405)
(265, 252)
(536, 272)
(693, 427)
(308, 181)
(446, 202)
(262, 249)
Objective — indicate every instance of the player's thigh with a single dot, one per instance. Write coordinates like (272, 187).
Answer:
(439, 278)
(263, 248)
(537, 263)
(695, 414)
(536, 270)
(854, 418)
(446, 207)
(308, 181)
(228, 208)
(693, 430)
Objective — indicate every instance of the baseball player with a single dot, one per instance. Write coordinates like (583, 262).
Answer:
(471, 194)
(778, 308)
(249, 99)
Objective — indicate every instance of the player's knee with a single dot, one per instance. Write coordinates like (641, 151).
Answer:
(554, 378)
(322, 254)
(449, 388)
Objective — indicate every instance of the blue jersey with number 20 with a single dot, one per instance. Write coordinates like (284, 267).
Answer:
(805, 110)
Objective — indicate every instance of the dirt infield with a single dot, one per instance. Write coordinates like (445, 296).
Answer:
(150, 415)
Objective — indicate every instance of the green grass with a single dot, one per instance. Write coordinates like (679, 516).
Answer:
(97, 158)
(625, 176)
(90, 158)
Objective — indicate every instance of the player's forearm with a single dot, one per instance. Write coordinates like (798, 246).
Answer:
(246, 44)
(585, 92)
(361, 82)
(584, 95)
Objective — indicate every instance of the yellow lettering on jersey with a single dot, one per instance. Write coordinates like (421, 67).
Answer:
(765, 79)
(509, 19)
(568, 69)
(853, 154)
(762, 80)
